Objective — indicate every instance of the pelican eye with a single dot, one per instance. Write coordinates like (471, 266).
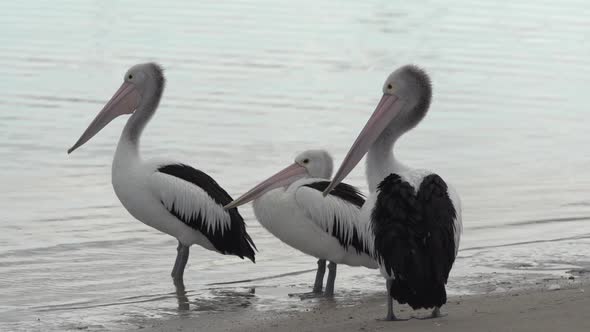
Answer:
(389, 86)
(305, 161)
(130, 76)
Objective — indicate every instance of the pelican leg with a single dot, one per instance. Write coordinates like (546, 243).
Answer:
(319, 277)
(318, 284)
(180, 264)
(390, 315)
(183, 303)
(175, 268)
(436, 313)
(331, 278)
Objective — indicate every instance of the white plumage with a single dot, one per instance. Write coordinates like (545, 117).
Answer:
(190, 201)
(297, 213)
(302, 218)
(171, 197)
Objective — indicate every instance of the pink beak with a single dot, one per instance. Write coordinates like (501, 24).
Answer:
(124, 101)
(388, 108)
(285, 177)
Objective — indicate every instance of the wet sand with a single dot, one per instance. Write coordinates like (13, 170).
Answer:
(548, 308)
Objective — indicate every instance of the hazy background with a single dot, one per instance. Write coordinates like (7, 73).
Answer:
(250, 84)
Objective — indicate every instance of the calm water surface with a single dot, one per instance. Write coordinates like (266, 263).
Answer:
(250, 84)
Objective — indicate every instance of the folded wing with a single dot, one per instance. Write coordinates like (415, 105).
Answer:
(337, 213)
(194, 198)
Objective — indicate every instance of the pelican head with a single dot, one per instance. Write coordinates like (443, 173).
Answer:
(142, 86)
(317, 163)
(406, 98)
(308, 164)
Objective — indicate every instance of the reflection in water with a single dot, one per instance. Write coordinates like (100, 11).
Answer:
(183, 303)
(217, 299)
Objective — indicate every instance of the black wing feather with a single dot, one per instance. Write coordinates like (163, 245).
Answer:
(352, 195)
(343, 191)
(414, 238)
(235, 240)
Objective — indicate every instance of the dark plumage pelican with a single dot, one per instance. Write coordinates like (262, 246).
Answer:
(414, 214)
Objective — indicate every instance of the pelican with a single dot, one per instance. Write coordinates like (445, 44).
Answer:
(290, 205)
(415, 216)
(169, 196)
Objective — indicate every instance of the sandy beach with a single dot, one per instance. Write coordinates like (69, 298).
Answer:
(548, 308)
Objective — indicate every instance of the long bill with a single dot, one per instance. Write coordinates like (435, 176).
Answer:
(124, 101)
(283, 178)
(388, 108)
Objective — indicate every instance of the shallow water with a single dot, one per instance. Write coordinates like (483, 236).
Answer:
(250, 84)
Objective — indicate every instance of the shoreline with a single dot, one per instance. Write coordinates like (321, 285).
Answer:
(547, 307)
